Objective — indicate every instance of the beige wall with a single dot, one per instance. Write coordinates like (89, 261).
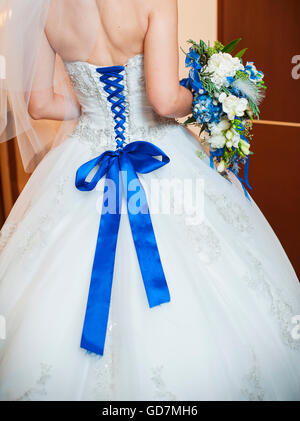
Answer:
(197, 20)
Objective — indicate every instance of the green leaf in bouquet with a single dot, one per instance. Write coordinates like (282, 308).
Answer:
(218, 46)
(231, 46)
(203, 45)
(203, 128)
(195, 46)
(241, 53)
(190, 121)
(254, 108)
(212, 51)
(183, 51)
(224, 89)
(241, 153)
(262, 85)
(201, 49)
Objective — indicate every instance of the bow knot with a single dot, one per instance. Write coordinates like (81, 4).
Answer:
(135, 157)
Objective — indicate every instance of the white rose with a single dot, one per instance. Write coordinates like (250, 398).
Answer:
(245, 147)
(223, 125)
(235, 139)
(223, 65)
(229, 144)
(217, 141)
(233, 105)
(229, 135)
(222, 97)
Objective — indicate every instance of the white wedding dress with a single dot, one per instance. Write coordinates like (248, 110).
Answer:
(226, 334)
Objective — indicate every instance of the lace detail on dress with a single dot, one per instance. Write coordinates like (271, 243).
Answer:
(84, 80)
(257, 279)
(6, 233)
(99, 139)
(60, 188)
(152, 133)
(95, 138)
(231, 212)
(206, 242)
(39, 235)
(253, 391)
(136, 61)
(39, 389)
(200, 233)
(99, 134)
(160, 387)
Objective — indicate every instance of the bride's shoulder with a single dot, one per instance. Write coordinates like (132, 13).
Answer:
(159, 4)
(164, 7)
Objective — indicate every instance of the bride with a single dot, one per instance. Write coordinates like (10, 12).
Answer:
(170, 302)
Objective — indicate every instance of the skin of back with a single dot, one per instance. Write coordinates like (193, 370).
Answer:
(106, 33)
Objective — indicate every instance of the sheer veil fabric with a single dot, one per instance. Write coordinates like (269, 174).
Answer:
(22, 25)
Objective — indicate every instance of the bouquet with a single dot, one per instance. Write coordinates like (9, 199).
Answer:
(227, 95)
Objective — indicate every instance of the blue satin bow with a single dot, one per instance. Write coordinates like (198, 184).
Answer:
(121, 167)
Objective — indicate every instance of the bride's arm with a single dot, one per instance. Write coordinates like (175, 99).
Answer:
(165, 94)
(44, 103)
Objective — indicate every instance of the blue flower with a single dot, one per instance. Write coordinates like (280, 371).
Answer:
(206, 110)
(230, 80)
(254, 74)
(192, 59)
(195, 81)
(186, 83)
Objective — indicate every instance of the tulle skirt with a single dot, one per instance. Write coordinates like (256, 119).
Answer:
(227, 333)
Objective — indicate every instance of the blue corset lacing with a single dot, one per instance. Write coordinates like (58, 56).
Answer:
(120, 166)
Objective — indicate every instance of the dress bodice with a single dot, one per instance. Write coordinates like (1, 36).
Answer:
(97, 122)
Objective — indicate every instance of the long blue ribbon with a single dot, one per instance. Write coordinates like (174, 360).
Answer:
(134, 157)
(245, 182)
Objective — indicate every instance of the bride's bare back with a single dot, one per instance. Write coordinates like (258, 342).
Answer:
(102, 32)
(109, 32)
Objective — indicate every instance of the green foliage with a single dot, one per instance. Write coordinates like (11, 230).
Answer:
(183, 51)
(254, 108)
(262, 85)
(190, 120)
(231, 46)
(248, 126)
(212, 51)
(218, 46)
(241, 53)
(241, 75)
(232, 157)
(228, 156)
(202, 50)
(208, 85)
(203, 128)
